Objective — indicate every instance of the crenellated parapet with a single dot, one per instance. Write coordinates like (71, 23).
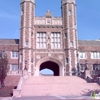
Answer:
(33, 1)
(68, 1)
(48, 21)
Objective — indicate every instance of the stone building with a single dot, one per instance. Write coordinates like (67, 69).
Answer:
(50, 42)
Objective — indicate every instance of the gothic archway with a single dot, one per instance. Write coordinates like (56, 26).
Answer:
(58, 70)
(52, 66)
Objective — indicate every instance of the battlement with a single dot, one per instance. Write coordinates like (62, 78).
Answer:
(68, 1)
(27, 0)
(48, 21)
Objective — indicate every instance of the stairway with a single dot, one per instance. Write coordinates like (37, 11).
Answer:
(57, 85)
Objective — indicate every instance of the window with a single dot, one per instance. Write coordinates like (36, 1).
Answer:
(96, 67)
(70, 12)
(14, 67)
(67, 60)
(22, 12)
(95, 55)
(32, 34)
(71, 44)
(31, 60)
(14, 54)
(41, 40)
(56, 40)
(26, 43)
(65, 35)
(3, 53)
(82, 55)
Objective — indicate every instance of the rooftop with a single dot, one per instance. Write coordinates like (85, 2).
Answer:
(80, 42)
(9, 41)
(89, 42)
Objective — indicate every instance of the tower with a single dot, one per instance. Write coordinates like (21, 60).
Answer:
(70, 33)
(27, 35)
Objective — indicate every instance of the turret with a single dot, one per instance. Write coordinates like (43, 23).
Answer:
(26, 34)
(70, 34)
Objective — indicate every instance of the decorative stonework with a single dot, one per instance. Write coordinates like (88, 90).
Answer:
(54, 21)
(28, 0)
(48, 26)
(38, 56)
(61, 57)
(49, 54)
(68, 1)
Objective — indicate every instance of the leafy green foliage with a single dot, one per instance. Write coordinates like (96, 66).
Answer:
(3, 66)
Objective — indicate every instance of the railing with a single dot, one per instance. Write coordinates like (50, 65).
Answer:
(95, 72)
(14, 73)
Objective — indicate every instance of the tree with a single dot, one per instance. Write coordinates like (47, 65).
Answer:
(3, 67)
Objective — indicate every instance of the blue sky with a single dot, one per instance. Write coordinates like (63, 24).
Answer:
(88, 17)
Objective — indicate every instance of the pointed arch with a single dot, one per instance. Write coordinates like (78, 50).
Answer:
(51, 59)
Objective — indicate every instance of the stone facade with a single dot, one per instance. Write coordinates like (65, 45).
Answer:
(49, 41)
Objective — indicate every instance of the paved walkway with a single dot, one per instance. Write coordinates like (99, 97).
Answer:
(53, 98)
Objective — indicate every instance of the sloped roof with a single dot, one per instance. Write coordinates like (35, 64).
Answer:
(9, 41)
(80, 42)
(89, 42)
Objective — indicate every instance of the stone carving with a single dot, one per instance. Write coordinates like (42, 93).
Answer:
(60, 57)
(49, 54)
(38, 56)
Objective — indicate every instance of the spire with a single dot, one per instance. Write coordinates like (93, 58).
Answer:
(48, 14)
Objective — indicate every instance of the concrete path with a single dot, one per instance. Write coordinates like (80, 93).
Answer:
(53, 98)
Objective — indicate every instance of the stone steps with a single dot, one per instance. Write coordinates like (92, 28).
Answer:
(55, 79)
(63, 86)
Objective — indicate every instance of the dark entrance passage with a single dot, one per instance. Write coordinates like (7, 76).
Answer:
(52, 66)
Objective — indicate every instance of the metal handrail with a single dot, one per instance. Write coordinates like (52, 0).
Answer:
(95, 72)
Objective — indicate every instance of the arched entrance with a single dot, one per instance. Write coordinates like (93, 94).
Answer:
(52, 66)
(51, 63)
